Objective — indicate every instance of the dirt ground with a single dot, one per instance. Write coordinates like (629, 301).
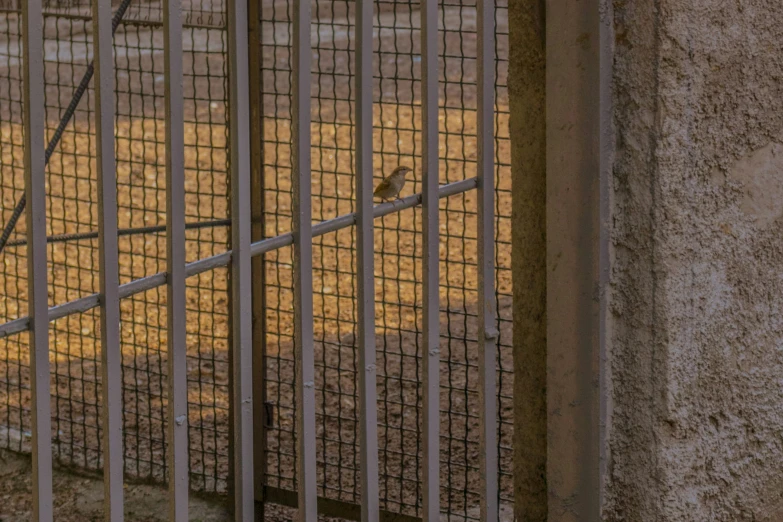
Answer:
(79, 498)
(141, 198)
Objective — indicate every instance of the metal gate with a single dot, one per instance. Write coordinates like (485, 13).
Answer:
(250, 361)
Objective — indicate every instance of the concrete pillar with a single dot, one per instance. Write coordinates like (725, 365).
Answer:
(576, 180)
(559, 186)
(664, 264)
(696, 289)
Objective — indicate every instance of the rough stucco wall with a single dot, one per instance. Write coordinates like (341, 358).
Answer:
(696, 306)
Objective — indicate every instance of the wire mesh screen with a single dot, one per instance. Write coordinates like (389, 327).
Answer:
(72, 222)
(139, 145)
(397, 140)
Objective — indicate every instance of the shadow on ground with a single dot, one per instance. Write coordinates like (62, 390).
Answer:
(80, 497)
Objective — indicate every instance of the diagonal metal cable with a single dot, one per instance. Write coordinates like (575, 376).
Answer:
(155, 229)
(64, 121)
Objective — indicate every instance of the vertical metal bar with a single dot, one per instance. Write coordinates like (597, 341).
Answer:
(365, 252)
(430, 260)
(241, 311)
(111, 357)
(488, 332)
(175, 258)
(303, 265)
(257, 233)
(37, 274)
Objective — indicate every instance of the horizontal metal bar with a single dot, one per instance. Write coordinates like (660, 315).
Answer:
(347, 220)
(142, 284)
(16, 326)
(207, 264)
(384, 209)
(149, 282)
(272, 243)
(74, 307)
(330, 507)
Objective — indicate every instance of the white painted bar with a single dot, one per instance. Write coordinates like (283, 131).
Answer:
(177, 429)
(111, 357)
(365, 265)
(37, 272)
(487, 328)
(241, 306)
(430, 263)
(303, 264)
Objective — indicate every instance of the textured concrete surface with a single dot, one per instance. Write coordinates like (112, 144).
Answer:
(696, 284)
(664, 281)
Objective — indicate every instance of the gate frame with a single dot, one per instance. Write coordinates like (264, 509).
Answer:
(258, 232)
(244, 248)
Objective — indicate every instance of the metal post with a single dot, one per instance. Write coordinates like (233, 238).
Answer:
(111, 357)
(257, 233)
(175, 257)
(241, 311)
(365, 253)
(487, 327)
(430, 261)
(37, 274)
(303, 265)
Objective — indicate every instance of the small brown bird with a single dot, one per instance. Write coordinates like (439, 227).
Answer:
(392, 185)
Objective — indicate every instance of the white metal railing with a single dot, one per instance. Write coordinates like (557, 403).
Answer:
(239, 261)
(37, 277)
(177, 428)
(365, 260)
